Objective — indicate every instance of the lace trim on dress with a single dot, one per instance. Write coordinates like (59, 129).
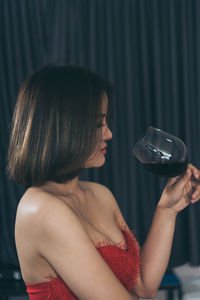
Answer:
(107, 241)
(58, 288)
(50, 276)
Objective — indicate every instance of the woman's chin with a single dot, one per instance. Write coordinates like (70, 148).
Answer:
(96, 163)
(100, 164)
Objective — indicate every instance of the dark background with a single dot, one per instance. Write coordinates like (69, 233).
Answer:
(150, 50)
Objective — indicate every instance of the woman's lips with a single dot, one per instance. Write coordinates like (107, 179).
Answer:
(103, 151)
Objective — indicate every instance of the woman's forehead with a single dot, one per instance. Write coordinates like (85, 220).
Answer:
(104, 104)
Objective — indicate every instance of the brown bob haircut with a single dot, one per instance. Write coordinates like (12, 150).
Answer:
(54, 128)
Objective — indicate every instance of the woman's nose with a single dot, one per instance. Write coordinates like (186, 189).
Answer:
(108, 134)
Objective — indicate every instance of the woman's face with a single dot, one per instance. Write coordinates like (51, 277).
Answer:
(97, 159)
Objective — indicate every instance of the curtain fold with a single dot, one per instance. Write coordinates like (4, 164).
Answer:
(150, 51)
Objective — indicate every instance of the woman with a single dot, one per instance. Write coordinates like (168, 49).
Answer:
(72, 240)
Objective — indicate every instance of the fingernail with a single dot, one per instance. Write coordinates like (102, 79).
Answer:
(195, 194)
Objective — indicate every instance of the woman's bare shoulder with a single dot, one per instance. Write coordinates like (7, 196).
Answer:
(33, 197)
(34, 205)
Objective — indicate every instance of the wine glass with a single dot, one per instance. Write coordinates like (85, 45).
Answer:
(161, 153)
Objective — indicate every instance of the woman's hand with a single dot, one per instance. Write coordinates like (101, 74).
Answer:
(182, 190)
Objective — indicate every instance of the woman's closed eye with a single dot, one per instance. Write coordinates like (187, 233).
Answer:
(101, 125)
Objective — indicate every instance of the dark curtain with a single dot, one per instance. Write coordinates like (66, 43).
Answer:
(150, 50)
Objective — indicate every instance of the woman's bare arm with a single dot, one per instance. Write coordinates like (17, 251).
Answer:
(155, 253)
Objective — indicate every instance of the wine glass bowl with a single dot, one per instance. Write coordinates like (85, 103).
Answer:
(161, 153)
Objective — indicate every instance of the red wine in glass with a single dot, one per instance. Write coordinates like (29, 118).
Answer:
(161, 153)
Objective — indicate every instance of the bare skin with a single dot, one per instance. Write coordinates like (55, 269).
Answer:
(97, 217)
(57, 226)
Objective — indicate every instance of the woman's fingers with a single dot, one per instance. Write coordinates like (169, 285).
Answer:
(195, 179)
(195, 192)
(182, 186)
(181, 179)
(194, 200)
(195, 171)
(192, 190)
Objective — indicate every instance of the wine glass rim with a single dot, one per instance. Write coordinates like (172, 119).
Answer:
(145, 133)
(154, 128)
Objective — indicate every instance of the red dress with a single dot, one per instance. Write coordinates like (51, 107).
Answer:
(124, 262)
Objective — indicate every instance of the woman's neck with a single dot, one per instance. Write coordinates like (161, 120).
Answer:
(71, 187)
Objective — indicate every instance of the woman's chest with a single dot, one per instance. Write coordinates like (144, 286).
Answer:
(104, 231)
(99, 221)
